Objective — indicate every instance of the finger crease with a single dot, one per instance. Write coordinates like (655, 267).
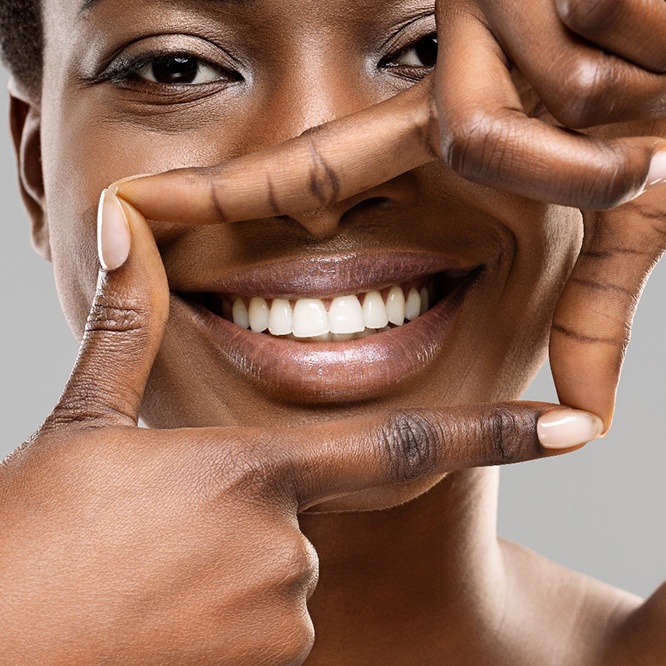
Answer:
(217, 204)
(578, 337)
(272, 201)
(602, 286)
(607, 254)
(322, 175)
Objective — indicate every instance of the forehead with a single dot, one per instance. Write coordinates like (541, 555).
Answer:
(79, 11)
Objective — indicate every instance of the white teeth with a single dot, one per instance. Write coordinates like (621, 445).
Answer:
(425, 300)
(239, 314)
(310, 318)
(259, 314)
(280, 318)
(395, 306)
(412, 305)
(346, 319)
(345, 315)
(374, 310)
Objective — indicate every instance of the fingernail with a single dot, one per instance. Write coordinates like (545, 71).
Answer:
(115, 186)
(657, 172)
(113, 234)
(564, 428)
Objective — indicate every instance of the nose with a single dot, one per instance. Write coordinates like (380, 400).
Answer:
(328, 220)
(326, 97)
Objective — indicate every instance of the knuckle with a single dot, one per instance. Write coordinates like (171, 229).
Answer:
(115, 314)
(505, 432)
(476, 144)
(588, 16)
(297, 566)
(408, 443)
(586, 81)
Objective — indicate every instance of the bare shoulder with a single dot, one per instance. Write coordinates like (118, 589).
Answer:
(641, 635)
(560, 616)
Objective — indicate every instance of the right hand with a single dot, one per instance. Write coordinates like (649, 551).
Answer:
(128, 545)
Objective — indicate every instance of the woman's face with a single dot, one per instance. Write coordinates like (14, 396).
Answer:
(269, 70)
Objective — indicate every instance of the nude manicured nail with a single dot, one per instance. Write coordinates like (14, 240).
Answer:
(564, 428)
(114, 186)
(113, 234)
(657, 173)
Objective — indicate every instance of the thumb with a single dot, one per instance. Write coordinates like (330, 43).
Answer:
(125, 326)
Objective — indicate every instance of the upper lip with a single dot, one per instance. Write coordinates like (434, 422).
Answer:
(329, 276)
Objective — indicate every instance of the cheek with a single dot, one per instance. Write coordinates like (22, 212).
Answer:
(83, 156)
(547, 248)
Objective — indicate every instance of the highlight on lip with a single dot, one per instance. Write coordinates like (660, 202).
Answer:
(335, 318)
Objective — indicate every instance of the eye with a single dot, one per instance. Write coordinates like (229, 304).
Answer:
(421, 54)
(178, 70)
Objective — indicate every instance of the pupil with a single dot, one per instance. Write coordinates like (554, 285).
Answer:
(426, 50)
(175, 69)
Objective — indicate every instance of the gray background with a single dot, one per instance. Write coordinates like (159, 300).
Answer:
(598, 510)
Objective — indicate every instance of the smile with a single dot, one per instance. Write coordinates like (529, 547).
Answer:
(340, 319)
(298, 339)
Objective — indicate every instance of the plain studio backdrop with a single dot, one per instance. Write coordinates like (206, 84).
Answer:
(600, 510)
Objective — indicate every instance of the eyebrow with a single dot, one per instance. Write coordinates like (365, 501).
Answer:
(89, 4)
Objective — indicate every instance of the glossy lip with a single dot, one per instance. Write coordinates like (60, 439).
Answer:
(327, 277)
(338, 372)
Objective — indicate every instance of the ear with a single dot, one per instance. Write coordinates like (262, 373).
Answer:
(25, 122)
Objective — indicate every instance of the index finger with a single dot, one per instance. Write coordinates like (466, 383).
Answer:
(411, 444)
(327, 164)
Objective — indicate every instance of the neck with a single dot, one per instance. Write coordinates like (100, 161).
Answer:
(427, 575)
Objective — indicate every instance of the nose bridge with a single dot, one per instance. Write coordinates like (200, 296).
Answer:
(319, 88)
(315, 86)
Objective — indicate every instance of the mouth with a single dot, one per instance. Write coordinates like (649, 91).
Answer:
(334, 330)
(338, 319)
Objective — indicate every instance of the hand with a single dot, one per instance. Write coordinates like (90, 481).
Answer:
(589, 62)
(127, 545)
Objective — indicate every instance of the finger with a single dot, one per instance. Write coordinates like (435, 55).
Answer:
(487, 137)
(407, 445)
(331, 163)
(580, 84)
(125, 325)
(634, 29)
(592, 321)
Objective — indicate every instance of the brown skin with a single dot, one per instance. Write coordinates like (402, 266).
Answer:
(228, 579)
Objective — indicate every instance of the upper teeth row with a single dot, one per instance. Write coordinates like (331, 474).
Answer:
(308, 317)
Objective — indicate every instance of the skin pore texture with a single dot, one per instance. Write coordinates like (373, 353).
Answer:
(426, 580)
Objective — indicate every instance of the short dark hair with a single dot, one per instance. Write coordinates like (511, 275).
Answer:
(21, 40)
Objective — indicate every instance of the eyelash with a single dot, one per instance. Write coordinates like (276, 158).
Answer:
(125, 70)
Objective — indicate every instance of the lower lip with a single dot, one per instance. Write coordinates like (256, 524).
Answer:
(338, 372)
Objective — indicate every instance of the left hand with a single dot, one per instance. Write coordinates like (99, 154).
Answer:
(470, 114)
